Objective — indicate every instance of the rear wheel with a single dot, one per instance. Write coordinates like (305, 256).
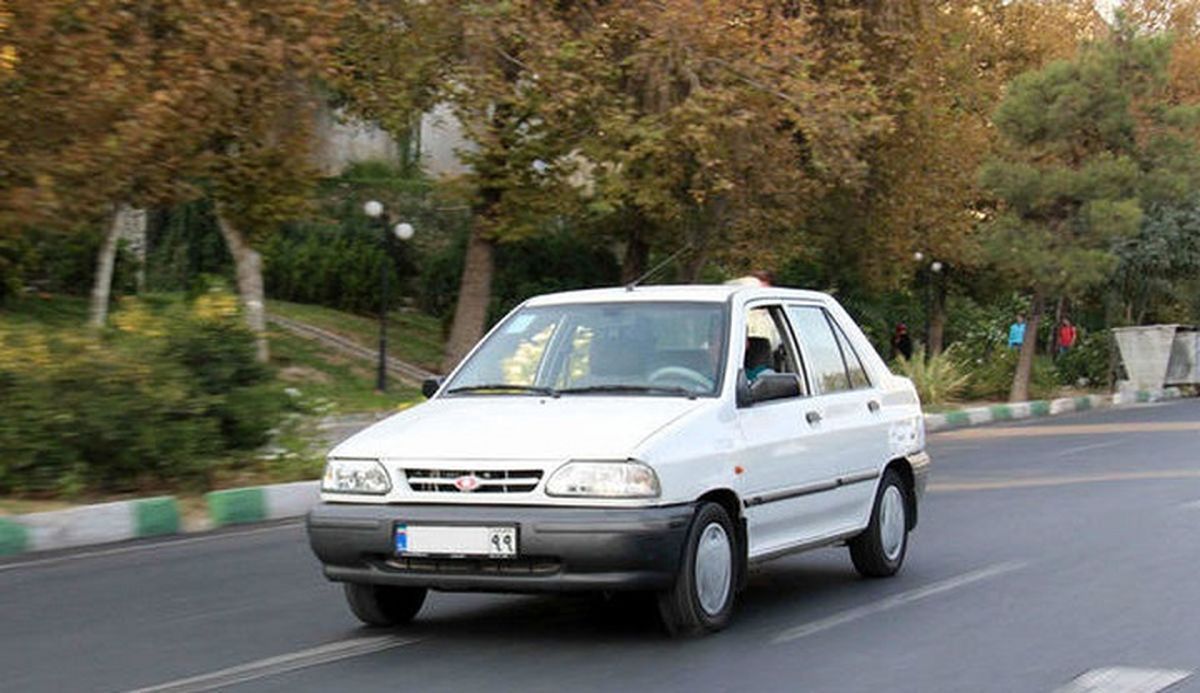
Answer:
(701, 600)
(382, 606)
(879, 551)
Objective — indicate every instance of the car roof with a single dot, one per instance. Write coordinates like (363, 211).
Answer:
(700, 293)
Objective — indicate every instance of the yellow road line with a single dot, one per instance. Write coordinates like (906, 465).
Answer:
(951, 486)
(1068, 430)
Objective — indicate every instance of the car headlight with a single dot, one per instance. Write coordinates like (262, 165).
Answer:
(355, 476)
(626, 479)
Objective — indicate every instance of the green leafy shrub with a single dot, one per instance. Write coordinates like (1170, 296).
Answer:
(1088, 362)
(991, 376)
(938, 380)
(163, 397)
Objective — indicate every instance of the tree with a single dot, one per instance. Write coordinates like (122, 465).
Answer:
(398, 59)
(940, 68)
(1088, 144)
(8, 52)
(117, 104)
(714, 124)
(1154, 266)
(261, 63)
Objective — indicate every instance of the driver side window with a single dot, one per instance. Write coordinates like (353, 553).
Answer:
(766, 350)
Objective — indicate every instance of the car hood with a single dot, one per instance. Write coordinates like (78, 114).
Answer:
(503, 427)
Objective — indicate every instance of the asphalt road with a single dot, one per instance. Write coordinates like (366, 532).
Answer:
(1045, 550)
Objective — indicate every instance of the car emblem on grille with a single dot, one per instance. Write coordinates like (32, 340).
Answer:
(466, 483)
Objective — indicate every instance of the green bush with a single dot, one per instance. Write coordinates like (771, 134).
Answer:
(938, 380)
(991, 376)
(162, 398)
(1088, 363)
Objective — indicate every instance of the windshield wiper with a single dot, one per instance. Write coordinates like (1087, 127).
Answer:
(671, 390)
(532, 389)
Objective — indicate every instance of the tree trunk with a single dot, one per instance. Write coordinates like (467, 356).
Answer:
(937, 318)
(474, 298)
(1052, 340)
(1020, 386)
(248, 264)
(694, 264)
(102, 284)
(637, 255)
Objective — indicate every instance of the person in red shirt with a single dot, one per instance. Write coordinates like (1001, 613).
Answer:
(1067, 335)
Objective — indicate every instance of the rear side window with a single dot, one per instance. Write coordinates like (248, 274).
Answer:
(854, 366)
(825, 362)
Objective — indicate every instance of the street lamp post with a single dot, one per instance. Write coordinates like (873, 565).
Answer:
(927, 273)
(403, 231)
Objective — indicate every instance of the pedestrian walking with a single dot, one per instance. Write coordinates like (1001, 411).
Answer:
(901, 342)
(1067, 334)
(1016, 332)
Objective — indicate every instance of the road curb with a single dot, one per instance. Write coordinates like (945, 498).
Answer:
(978, 416)
(89, 524)
(260, 503)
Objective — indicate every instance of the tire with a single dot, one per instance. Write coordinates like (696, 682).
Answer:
(879, 551)
(702, 601)
(381, 606)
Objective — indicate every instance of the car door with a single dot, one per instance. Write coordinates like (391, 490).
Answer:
(783, 457)
(845, 413)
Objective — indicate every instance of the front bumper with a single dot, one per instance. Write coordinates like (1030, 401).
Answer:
(560, 549)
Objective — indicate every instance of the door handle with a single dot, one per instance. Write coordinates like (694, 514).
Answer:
(813, 417)
(873, 406)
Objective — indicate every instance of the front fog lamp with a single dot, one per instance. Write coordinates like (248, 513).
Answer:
(355, 476)
(604, 480)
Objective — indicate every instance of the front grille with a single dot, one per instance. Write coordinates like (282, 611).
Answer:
(474, 566)
(489, 481)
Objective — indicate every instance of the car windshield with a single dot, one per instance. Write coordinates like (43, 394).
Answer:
(626, 348)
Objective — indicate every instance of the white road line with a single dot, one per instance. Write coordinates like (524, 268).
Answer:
(79, 555)
(1084, 448)
(1124, 680)
(1191, 505)
(271, 666)
(896, 600)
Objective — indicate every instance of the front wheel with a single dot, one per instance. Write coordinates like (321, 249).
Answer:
(879, 550)
(701, 600)
(383, 606)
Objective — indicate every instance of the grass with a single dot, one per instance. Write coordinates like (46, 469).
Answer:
(346, 384)
(412, 337)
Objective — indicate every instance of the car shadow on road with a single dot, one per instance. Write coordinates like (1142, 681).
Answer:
(782, 589)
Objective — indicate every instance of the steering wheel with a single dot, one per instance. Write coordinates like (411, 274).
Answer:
(680, 373)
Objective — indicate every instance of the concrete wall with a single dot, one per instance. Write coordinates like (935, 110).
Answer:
(343, 141)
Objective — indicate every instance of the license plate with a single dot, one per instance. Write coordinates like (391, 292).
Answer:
(453, 540)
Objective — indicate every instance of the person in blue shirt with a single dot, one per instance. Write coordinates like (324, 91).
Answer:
(1016, 333)
(758, 357)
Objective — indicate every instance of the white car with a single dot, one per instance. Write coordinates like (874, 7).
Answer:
(660, 439)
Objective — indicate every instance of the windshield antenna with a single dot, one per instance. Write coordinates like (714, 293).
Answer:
(654, 270)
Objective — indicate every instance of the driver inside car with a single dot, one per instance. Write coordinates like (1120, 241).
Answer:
(758, 357)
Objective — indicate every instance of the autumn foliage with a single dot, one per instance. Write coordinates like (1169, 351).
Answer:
(840, 134)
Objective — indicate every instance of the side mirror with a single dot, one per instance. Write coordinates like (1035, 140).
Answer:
(772, 386)
(430, 387)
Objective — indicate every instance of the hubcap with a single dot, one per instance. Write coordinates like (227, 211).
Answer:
(714, 568)
(892, 523)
